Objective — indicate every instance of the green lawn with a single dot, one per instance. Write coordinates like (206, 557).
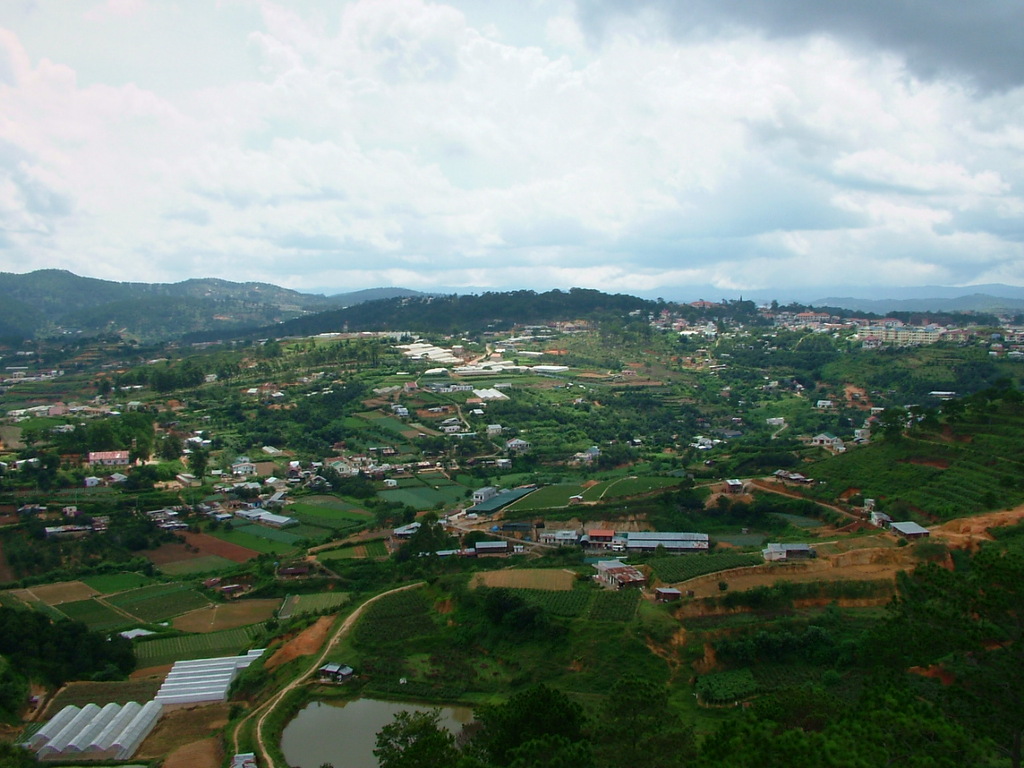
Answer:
(547, 497)
(95, 615)
(340, 511)
(110, 583)
(418, 498)
(243, 539)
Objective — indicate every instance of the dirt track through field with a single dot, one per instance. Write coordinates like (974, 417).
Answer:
(262, 712)
(865, 564)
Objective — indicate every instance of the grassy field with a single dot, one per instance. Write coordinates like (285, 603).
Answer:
(95, 615)
(166, 650)
(108, 584)
(295, 605)
(554, 579)
(243, 539)
(418, 498)
(634, 486)
(547, 497)
(327, 513)
(270, 534)
(332, 503)
(158, 602)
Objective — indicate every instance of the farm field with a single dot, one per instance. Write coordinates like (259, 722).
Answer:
(219, 616)
(332, 503)
(547, 497)
(158, 602)
(117, 692)
(676, 568)
(295, 605)
(619, 605)
(633, 486)
(61, 592)
(252, 543)
(96, 615)
(108, 584)
(279, 535)
(555, 579)
(568, 603)
(196, 546)
(204, 564)
(356, 550)
(419, 498)
(183, 738)
(167, 650)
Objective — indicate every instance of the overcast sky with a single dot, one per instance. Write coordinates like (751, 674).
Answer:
(623, 145)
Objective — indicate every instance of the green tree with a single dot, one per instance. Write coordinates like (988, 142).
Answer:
(893, 421)
(534, 713)
(970, 622)
(198, 461)
(640, 727)
(415, 740)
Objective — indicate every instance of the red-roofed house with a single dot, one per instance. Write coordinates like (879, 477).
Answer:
(109, 458)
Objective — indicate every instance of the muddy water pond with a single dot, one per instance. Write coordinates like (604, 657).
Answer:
(345, 733)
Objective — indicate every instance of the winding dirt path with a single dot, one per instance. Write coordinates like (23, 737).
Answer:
(262, 712)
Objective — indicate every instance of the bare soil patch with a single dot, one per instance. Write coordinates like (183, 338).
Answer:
(218, 616)
(206, 545)
(937, 463)
(968, 532)
(208, 753)
(171, 553)
(308, 641)
(185, 726)
(553, 579)
(62, 592)
(856, 565)
(860, 401)
(158, 672)
(209, 545)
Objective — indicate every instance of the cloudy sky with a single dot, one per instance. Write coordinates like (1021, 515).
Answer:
(624, 145)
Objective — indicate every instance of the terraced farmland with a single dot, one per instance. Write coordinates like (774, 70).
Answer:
(166, 650)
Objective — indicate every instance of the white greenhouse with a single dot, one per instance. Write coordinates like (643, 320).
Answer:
(113, 732)
(199, 680)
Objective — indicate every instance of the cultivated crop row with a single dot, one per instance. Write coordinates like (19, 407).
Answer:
(166, 650)
(614, 606)
(726, 687)
(678, 568)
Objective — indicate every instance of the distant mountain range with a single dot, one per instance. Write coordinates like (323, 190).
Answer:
(52, 302)
(974, 302)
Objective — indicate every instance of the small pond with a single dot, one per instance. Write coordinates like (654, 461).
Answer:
(345, 733)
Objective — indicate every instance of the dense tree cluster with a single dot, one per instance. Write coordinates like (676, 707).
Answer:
(32, 647)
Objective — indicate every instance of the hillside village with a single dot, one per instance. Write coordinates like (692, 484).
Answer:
(680, 461)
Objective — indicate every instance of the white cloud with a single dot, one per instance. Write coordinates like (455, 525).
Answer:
(405, 142)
